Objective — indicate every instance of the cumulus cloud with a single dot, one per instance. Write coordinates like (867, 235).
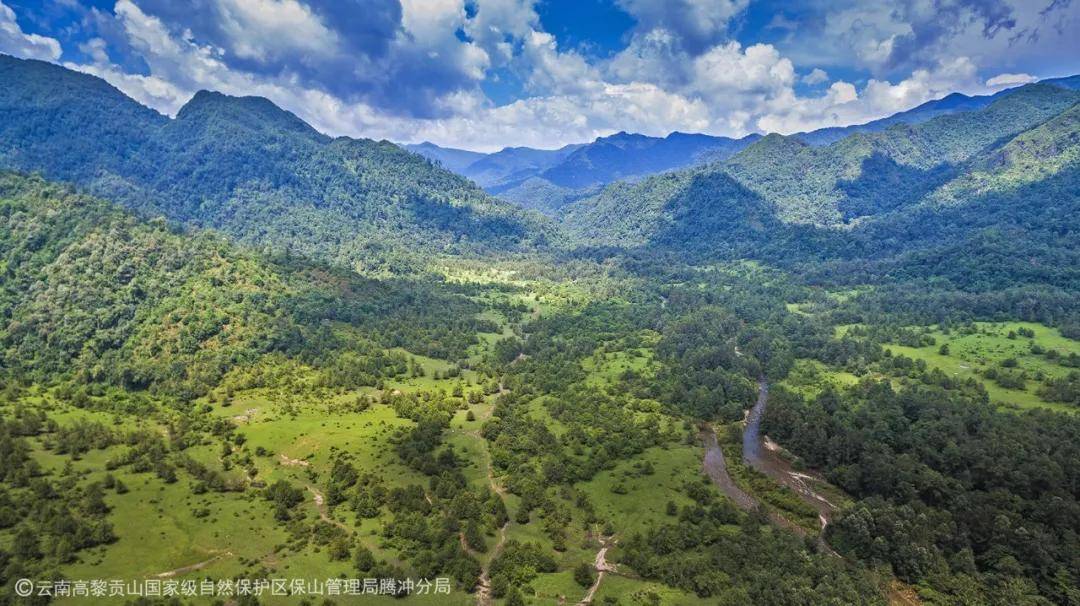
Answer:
(1007, 80)
(416, 70)
(261, 29)
(815, 77)
(14, 41)
(842, 104)
(698, 24)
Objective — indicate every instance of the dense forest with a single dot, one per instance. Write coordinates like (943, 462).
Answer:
(249, 169)
(232, 347)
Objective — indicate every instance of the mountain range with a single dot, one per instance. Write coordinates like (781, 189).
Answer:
(265, 178)
(247, 168)
(546, 180)
(978, 201)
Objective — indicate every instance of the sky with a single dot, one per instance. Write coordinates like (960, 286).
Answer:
(486, 74)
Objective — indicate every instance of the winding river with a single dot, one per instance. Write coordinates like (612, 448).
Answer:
(763, 455)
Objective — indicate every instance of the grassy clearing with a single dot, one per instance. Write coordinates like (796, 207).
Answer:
(607, 368)
(971, 354)
(634, 498)
(810, 377)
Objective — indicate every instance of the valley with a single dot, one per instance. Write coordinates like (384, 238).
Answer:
(829, 369)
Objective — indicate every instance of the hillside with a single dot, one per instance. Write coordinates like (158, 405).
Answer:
(94, 294)
(247, 168)
(869, 173)
(949, 104)
(985, 201)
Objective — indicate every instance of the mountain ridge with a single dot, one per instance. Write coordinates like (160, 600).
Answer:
(246, 167)
(560, 176)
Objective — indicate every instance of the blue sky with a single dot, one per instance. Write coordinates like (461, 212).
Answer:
(483, 74)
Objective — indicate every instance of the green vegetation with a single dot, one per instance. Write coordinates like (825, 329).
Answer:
(249, 169)
(372, 369)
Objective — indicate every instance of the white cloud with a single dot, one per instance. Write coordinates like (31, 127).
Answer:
(14, 41)
(1007, 80)
(656, 85)
(842, 104)
(260, 29)
(816, 76)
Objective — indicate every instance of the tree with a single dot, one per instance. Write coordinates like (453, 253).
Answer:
(583, 574)
(514, 598)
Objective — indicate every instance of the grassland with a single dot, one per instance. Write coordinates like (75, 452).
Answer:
(971, 353)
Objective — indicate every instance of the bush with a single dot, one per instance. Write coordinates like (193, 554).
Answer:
(583, 574)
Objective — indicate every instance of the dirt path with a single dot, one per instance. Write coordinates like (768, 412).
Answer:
(324, 511)
(192, 567)
(602, 567)
(483, 587)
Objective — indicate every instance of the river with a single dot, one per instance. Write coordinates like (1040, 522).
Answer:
(764, 456)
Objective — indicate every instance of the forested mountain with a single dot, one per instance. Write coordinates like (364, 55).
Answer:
(625, 156)
(247, 168)
(950, 104)
(94, 294)
(870, 173)
(981, 202)
(864, 175)
(547, 180)
(499, 170)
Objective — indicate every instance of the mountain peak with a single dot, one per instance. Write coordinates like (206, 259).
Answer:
(252, 112)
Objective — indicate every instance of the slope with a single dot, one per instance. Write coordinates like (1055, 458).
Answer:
(955, 200)
(248, 168)
(92, 293)
(870, 173)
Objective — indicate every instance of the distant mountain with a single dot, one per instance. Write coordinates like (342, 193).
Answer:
(451, 159)
(625, 156)
(511, 166)
(950, 104)
(868, 196)
(247, 168)
(560, 176)
(546, 180)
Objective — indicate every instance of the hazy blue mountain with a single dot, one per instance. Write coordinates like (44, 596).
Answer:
(456, 160)
(625, 156)
(560, 176)
(511, 166)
